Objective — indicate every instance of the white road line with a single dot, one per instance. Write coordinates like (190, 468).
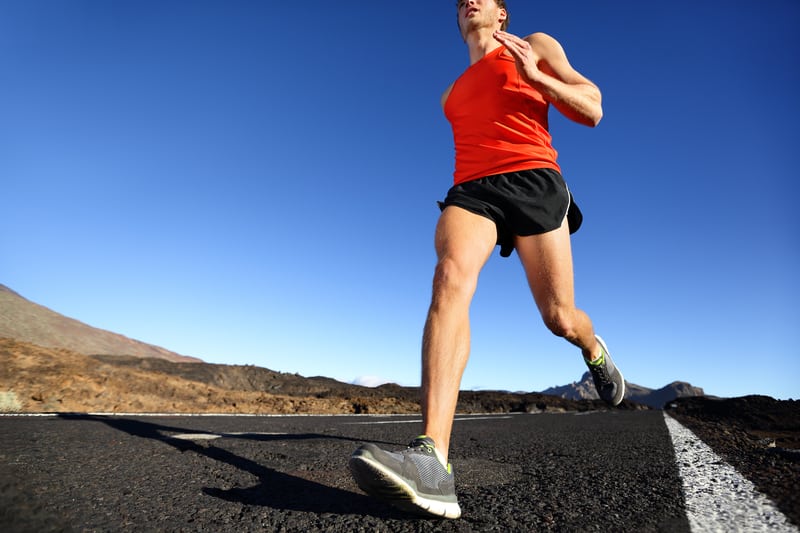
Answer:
(419, 420)
(410, 421)
(718, 498)
(187, 415)
(194, 436)
(212, 436)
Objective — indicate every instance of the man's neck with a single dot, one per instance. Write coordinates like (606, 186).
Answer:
(480, 42)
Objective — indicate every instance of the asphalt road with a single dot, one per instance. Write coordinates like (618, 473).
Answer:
(599, 471)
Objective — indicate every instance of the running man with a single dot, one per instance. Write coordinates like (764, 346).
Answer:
(508, 191)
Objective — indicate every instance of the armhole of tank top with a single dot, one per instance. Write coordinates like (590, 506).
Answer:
(446, 99)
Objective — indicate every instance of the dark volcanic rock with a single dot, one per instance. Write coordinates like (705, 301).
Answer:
(757, 435)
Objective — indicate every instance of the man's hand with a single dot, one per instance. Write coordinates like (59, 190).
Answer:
(542, 64)
(523, 55)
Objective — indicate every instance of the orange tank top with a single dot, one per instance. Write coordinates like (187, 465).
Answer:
(499, 122)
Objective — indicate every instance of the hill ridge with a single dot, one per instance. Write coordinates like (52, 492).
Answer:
(24, 320)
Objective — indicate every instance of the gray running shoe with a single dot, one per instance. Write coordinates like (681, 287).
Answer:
(414, 480)
(607, 378)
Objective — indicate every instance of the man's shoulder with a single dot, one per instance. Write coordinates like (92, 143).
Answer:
(544, 45)
(540, 37)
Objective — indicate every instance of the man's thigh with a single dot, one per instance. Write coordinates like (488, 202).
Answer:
(547, 260)
(465, 238)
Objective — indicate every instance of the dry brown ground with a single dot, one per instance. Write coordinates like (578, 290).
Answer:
(37, 379)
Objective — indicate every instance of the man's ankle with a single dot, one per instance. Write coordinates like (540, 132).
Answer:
(595, 357)
(441, 451)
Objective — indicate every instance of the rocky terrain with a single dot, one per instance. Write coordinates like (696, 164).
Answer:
(38, 379)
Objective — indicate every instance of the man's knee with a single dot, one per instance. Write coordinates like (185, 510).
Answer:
(451, 279)
(561, 321)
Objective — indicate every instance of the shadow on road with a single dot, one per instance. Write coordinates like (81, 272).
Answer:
(275, 489)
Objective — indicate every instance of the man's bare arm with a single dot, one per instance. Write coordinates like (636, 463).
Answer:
(542, 62)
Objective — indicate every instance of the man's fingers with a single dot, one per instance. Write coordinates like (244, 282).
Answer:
(518, 47)
(506, 37)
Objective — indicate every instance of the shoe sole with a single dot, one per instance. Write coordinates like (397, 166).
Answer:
(376, 480)
(603, 344)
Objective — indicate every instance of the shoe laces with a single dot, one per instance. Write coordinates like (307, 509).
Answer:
(425, 445)
(422, 444)
(600, 372)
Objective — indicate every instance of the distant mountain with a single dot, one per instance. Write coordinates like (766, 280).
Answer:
(584, 390)
(25, 321)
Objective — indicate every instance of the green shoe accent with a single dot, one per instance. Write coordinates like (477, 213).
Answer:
(607, 378)
(599, 361)
(430, 446)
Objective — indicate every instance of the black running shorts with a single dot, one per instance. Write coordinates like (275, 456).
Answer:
(529, 202)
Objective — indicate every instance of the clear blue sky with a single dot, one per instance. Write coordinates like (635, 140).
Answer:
(255, 182)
